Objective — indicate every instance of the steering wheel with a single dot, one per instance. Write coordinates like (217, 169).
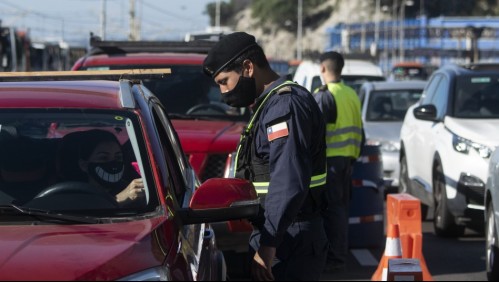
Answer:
(76, 187)
(219, 108)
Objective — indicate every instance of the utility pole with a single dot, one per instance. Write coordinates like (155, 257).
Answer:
(103, 20)
(217, 16)
(132, 36)
(299, 30)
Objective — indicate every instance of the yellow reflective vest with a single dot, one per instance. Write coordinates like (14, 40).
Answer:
(344, 136)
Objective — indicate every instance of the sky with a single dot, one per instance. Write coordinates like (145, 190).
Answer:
(73, 20)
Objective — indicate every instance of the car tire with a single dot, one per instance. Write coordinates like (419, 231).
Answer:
(491, 247)
(405, 184)
(443, 222)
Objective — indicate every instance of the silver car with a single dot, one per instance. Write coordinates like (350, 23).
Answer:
(384, 105)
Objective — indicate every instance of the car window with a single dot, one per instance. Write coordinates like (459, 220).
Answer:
(171, 147)
(477, 96)
(440, 99)
(188, 92)
(430, 90)
(73, 161)
(390, 105)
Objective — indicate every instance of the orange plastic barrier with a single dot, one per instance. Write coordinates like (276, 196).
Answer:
(404, 211)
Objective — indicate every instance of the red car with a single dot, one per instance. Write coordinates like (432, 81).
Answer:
(57, 223)
(208, 129)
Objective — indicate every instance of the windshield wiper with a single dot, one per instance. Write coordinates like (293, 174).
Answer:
(48, 214)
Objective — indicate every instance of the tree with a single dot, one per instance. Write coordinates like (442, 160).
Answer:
(283, 13)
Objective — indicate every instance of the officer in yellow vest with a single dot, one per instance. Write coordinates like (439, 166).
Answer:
(283, 152)
(340, 106)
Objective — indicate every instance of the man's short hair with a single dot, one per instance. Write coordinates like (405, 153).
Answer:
(333, 60)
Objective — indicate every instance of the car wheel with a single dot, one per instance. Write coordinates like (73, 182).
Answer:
(491, 247)
(405, 184)
(443, 223)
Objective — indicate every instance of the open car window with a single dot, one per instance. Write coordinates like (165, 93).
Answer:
(68, 161)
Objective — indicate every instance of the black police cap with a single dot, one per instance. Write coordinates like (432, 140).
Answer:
(229, 48)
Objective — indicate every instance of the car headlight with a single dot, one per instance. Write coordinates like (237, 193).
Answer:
(464, 146)
(152, 274)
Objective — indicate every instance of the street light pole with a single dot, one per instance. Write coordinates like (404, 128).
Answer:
(401, 30)
(103, 21)
(299, 30)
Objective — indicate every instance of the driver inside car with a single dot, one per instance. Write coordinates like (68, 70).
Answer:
(100, 157)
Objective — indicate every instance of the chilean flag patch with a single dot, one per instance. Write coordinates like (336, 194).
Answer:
(277, 131)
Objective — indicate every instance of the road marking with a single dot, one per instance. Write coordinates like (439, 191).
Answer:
(364, 257)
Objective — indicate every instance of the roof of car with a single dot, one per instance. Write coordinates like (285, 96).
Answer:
(402, 84)
(60, 94)
(72, 89)
(143, 53)
(142, 59)
(461, 69)
(408, 64)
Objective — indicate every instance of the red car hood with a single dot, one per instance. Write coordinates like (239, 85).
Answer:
(77, 252)
(199, 136)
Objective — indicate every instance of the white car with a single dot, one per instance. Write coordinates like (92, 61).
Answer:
(384, 105)
(355, 72)
(446, 142)
(492, 219)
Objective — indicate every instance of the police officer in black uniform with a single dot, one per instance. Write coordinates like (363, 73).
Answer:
(283, 152)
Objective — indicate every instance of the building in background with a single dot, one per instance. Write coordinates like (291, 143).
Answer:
(434, 41)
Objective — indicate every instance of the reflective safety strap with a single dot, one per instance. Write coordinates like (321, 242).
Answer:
(315, 181)
(351, 129)
(336, 145)
(318, 180)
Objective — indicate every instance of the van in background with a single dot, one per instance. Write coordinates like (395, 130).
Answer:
(355, 72)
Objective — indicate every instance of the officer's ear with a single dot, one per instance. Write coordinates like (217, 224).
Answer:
(248, 68)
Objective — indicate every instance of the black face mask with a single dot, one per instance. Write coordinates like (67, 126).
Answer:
(106, 174)
(243, 94)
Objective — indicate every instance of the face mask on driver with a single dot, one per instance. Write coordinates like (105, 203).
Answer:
(243, 94)
(106, 174)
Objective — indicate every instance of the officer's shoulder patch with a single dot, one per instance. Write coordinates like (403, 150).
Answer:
(284, 90)
(276, 131)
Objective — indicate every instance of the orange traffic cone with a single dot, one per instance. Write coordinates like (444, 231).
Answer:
(392, 250)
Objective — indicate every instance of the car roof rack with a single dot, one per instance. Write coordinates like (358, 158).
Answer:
(98, 46)
(130, 74)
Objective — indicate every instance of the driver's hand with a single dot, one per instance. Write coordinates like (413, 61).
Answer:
(133, 191)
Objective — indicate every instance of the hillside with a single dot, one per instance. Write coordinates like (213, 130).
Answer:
(282, 44)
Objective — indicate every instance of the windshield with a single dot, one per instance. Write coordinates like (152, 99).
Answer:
(477, 96)
(391, 105)
(188, 93)
(74, 162)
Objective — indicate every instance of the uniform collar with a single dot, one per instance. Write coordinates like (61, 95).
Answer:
(273, 85)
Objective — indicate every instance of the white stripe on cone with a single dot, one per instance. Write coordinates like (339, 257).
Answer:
(393, 249)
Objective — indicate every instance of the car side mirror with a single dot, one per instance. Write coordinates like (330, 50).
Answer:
(426, 112)
(221, 199)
